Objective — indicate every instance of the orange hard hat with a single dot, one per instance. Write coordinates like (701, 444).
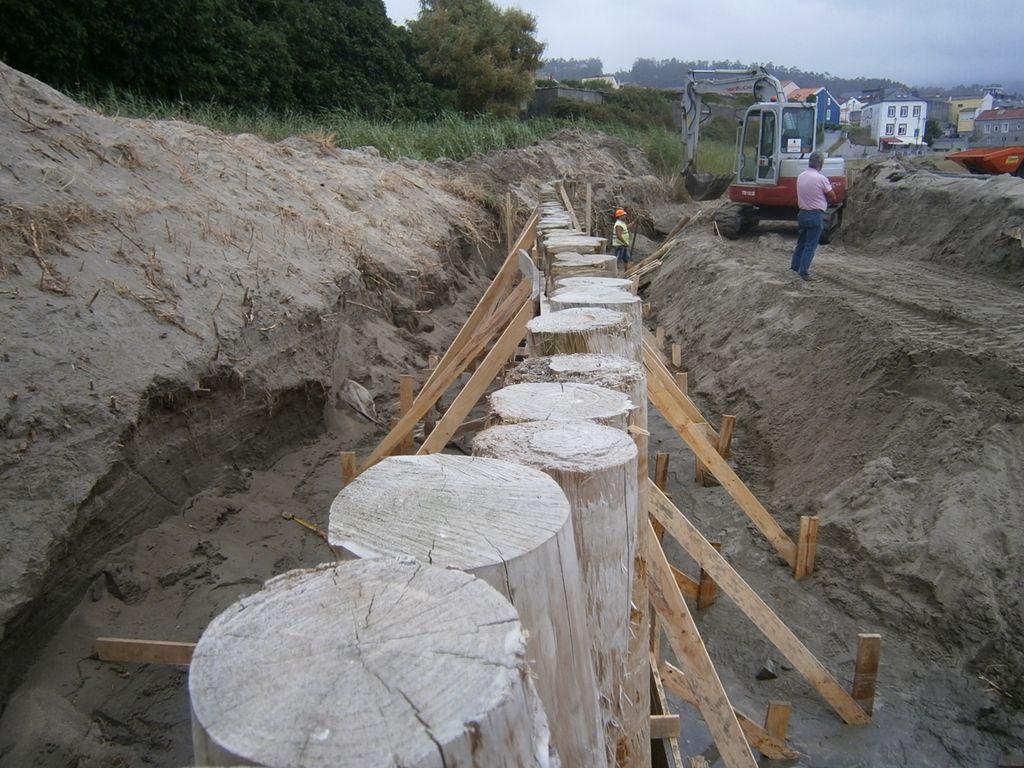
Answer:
(619, 212)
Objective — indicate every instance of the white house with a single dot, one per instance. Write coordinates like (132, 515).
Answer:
(848, 108)
(895, 118)
(788, 86)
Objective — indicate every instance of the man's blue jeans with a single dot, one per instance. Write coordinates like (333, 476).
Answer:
(810, 224)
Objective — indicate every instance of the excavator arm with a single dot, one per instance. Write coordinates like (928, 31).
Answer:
(755, 81)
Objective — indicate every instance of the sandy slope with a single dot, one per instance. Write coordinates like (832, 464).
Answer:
(887, 397)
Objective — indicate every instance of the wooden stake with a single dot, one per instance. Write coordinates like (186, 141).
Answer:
(776, 720)
(665, 726)
(684, 637)
(806, 546)
(725, 436)
(659, 338)
(677, 355)
(646, 309)
(406, 396)
(869, 651)
(682, 382)
(707, 591)
(659, 702)
(661, 472)
(748, 601)
(348, 467)
(119, 649)
(589, 217)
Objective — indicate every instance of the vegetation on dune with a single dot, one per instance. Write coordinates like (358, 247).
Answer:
(451, 84)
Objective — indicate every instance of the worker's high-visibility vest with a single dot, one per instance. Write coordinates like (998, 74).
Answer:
(620, 233)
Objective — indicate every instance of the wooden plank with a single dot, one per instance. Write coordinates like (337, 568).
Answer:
(865, 675)
(666, 244)
(406, 397)
(806, 546)
(707, 591)
(699, 468)
(677, 355)
(656, 368)
(437, 386)
(120, 649)
(568, 206)
(683, 382)
(694, 435)
(748, 601)
(479, 381)
(348, 467)
(499, 285)
(665, 726)
(758, 738)
(712, 701)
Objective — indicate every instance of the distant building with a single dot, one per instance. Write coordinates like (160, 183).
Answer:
(965, 109)
(544, 98)
(788, 86)
(849, 110)
(895, 117)
(941, 111)
(826, 107)
(608, 80)
(999, 127)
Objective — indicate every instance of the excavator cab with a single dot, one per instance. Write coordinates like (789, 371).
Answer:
(771, 133)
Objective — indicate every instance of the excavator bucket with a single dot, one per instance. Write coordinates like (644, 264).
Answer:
(705, 186)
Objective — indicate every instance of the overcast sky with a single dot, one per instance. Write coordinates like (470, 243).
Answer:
(936, 42)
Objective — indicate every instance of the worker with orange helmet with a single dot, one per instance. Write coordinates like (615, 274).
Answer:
(620, 237)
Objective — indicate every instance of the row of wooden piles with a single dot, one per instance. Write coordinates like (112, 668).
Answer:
(496, 612)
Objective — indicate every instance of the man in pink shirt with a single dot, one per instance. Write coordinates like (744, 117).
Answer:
(813, 194)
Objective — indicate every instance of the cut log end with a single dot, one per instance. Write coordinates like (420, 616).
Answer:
(314, 669)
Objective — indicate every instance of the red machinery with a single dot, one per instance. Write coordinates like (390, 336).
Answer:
(991, 160)
(773, 144)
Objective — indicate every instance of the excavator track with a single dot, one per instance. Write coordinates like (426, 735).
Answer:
(733, 219)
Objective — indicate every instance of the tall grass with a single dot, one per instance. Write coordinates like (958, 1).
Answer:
(451, 135)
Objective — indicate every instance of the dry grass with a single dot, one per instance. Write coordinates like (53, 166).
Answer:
(40, 233)
(324, 140)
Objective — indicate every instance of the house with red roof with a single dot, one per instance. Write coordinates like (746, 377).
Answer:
(827, 109)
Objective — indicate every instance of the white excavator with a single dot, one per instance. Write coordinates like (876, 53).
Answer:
(773, 145)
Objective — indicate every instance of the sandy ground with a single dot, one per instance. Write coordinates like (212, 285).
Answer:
(182, 309)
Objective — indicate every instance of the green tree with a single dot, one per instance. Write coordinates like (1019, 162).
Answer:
(271, 54)
(486, 57)
(932, 131)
